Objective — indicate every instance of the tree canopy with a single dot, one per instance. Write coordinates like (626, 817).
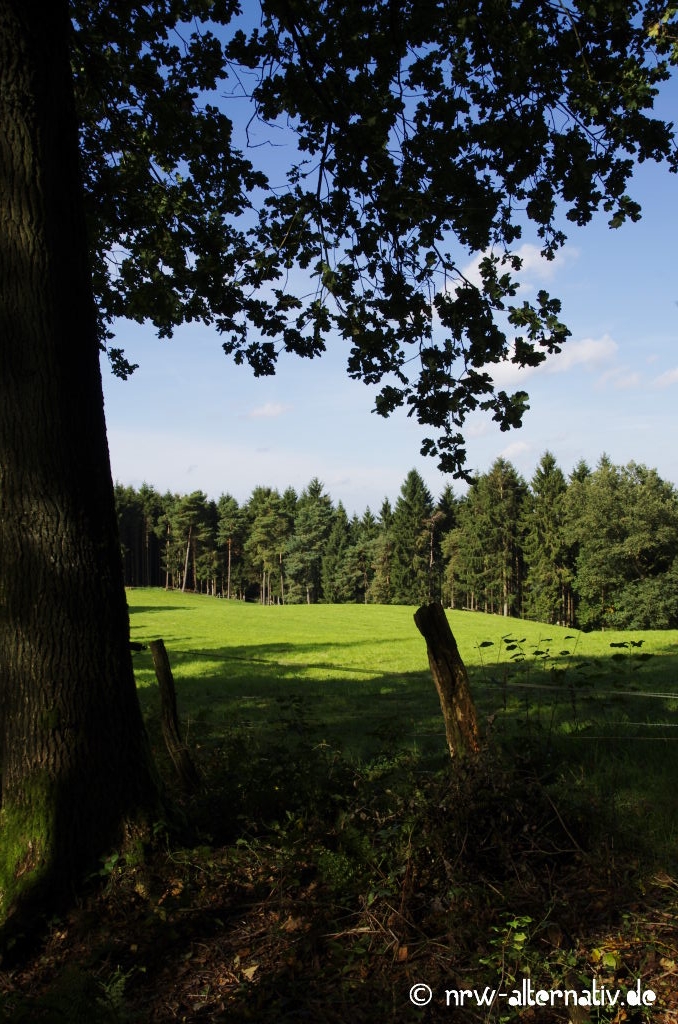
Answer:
(427, 134)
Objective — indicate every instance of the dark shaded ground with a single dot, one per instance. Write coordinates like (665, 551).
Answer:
(361, 884)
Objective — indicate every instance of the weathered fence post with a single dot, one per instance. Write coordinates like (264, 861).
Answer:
(451, 680)
(185, 769)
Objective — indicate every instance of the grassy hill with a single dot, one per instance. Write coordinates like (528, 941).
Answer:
(356, 677)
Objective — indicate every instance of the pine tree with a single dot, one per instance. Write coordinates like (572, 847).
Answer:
(486, 549)
(190, 530)
(549, 576)
(412, 532)
(338, 543)
(130, 528)
(230, 539)
(268, 533)
(206, 551)
(151, 505)
(305, 548)
(138, 513)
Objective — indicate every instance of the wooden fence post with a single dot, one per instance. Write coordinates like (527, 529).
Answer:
(185, 769)
(451, 680)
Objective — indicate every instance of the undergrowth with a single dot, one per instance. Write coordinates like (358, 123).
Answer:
(317, 889)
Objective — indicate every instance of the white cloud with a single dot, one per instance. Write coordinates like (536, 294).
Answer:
(666, 379)
(507, 374)
(589, 354)
(627, 380)
(515, 449)
(541, 268)
(269, 411)
(477, 425)
(534, 265)
(620, 378)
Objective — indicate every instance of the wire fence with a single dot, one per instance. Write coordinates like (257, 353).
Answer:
(585, 699)
(566, 693)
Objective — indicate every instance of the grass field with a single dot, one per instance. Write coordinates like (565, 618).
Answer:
(360, 672)
(598, 711)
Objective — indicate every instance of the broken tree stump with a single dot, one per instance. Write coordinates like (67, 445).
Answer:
(181, 759)
(451, 680)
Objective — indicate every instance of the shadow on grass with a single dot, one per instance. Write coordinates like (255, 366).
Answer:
(154, 609)
(288, 688)
(312, 689)
(272, 718)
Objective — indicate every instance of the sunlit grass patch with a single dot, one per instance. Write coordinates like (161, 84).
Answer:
(360, 673)
(594, 714)
(346, 662)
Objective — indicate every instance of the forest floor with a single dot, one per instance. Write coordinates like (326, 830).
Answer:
(390, 878)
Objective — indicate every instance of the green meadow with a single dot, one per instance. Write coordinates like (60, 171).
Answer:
(333, 860)
(358, 669)
(596, 711)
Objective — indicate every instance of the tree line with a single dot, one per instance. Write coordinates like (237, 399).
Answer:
(597, 549)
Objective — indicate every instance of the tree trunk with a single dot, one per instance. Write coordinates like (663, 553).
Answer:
(188, 552)
(74, 754)
(185, 769)
(451, 680)
(167, 557)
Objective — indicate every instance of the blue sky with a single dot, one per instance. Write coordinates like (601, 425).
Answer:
(188, 419)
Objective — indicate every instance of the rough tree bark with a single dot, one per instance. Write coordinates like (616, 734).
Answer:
(74, 755)
(451, 680)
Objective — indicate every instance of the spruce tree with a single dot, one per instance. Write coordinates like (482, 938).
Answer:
(596, 526)
(338, 544)
(359, 562)
(381, 588)
(549, 577)
(486, 547)
(306, 546)
(411, 532)
(624, 523)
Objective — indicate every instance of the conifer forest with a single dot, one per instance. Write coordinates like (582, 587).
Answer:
(595, 549)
